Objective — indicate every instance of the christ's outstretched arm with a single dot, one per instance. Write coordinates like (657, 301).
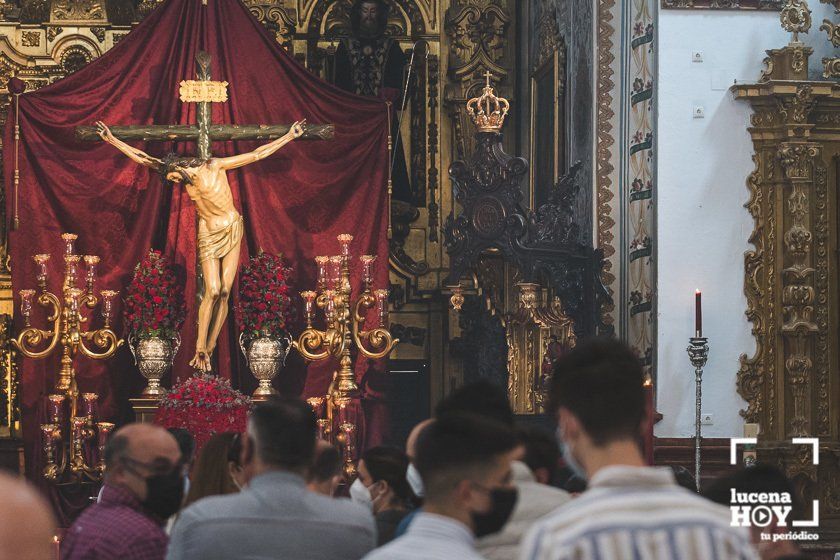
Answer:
(263, 151)
(135, 154)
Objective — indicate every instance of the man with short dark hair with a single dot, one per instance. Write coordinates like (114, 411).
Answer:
(324, 475)
(143, 487)
(465, 463)
(535, 500)
(275, 516)
(630, 510)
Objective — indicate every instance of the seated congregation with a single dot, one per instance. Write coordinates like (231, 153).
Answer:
(470, 484)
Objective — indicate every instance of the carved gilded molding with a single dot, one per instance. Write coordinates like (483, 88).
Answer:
(73, 11)
(788, 383)
(529, 328)
(604, 169)
(722, 4)
(478, 43)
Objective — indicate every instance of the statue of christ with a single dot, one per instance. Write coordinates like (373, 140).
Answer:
(220, 226)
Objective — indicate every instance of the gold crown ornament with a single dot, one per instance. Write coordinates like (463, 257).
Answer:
(488, 112)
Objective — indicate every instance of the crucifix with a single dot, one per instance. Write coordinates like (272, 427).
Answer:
(220, 227)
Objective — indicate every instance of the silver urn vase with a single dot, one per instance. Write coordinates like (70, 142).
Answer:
(154, 357)
(265, 356)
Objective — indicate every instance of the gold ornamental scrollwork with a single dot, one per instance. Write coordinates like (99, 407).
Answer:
(749, 379)
(797, 162)
(77, 11)
(532, 330)
(798, 108)
(796, 17)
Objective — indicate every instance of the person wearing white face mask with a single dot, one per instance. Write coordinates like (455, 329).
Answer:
(382, 486)
(465, 462)
(412, 474)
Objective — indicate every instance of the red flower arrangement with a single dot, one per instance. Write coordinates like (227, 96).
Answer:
(265, 307)
(154, 300)
(204, 405)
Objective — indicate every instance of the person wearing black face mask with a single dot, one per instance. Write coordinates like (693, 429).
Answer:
(465, 462)
(143, 487)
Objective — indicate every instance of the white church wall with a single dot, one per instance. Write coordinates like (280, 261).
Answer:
(702, 225)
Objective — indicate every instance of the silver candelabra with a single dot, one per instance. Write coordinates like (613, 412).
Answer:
(698, 353)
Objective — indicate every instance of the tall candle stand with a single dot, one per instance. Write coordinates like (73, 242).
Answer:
(68, 439)
(345, 321)
(698, 353)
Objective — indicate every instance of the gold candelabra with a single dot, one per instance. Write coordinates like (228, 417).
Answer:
(345, 321)
(69, 435)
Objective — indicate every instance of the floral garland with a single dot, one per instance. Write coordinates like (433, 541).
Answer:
(204, 405)
(265, 307)
(154, 300)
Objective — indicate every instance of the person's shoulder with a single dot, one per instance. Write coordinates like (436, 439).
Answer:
(341, 509)
(120, 518)
(536, 491)
(213, 507)
(401, 548)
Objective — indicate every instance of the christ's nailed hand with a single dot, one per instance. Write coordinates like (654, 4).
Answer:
(104, 131)
(298, 128)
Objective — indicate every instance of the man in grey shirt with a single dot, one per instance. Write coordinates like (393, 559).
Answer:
(275, 516)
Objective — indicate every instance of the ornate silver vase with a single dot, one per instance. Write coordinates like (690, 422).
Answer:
(154, 357)
(265, 356)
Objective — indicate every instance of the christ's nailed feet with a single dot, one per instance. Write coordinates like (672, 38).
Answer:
(201, 361)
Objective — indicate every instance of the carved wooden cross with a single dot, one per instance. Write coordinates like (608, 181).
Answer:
(205, 132)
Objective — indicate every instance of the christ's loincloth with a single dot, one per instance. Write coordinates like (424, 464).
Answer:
(217, 244)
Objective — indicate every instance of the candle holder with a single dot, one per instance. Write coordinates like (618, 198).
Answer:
(68, 435)
(348, 430)
(103, 429)
(698, 353)
(345, 320)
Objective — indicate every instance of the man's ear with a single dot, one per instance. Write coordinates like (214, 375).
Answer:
(246, 456)
(463, 493)
(384, 487)
(116, 473)
(568, 423)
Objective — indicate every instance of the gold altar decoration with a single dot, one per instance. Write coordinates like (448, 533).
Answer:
(789, 382)
(530, 331)
(199, 91)
(488, 111)
(335, 427)
(796, 18)
(345, 318)
(69, 434)
(790, 62)
(345, 327)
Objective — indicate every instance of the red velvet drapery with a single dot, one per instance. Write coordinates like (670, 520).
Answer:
(295, 202)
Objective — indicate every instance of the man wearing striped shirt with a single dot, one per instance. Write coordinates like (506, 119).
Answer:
(630, 511)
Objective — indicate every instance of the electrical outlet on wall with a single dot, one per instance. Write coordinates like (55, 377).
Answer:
(707, 419)
(698, 112)
(696, 56)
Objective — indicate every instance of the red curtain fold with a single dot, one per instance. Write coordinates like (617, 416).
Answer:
(295, 202)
